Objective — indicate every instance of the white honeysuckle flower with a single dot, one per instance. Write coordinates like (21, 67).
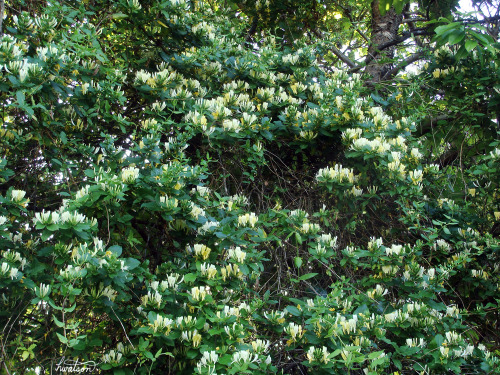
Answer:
(375, 243)
(17, 195)
(308, 135)
(85, 87)
(13, 273)
(231, 125)
(295, 331)
(394, 249)
(110, 293)
(316, 354)
(112, 357)
(327, 240)
(244, 356)
(199, 293)
(71, 273)
(397, 167)
(452, 311)
(495, 154)
(201, 251)
(349, 325)
(192, 336)
(173, 281)
(248, 219)
(209, 226)
(377, 292)
(197, 211)
(416, 176)
(260, 346)
(162, 324)
(355, 191)
(158, 107)
(237, 254)
(311, 228)
(351, 134)
(452, 337)
(413, 343)
(208, 270)
(130, 174)
(45, 217)
(43, 290)
(377, 145)
(134, 4)
(444, 351)
(208, 358)
(154, 299)
(169, 203)
(83, 192)
(391, 317)
(415, 153)
(337, 174)
(5, 268)
(299, 214)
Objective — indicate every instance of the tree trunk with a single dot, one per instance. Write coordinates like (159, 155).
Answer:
(384, 29)
(2, 9)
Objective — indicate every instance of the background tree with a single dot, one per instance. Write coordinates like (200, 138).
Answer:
(198, 187)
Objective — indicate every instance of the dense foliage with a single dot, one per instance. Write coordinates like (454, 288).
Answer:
(180, 195)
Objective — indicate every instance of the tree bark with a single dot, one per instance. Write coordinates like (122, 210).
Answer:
(384, 29)
(2, 10)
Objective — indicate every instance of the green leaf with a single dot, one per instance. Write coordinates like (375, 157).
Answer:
(20, 97)
(456, 37)
(63, 339)
(398, 5)
(398, 364)
(73, 342)
(438, 339)
(58, 322)
(470, 45)
(378, 99)
(192, 353)
(63, 138)
(119, 16)
(384, 6)
(293, 310)
(297, 261)
(373, 355)
(481, 38)
(361, 309)
(116, 249)
(335, 353)
(440, 30)
(132, 263)
(190, 278)
(308, 276)
(54, 306)
(225, 359)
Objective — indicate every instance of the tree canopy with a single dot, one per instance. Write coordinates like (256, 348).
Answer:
(256, 187)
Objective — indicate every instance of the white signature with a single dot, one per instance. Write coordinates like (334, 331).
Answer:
(70, 366)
